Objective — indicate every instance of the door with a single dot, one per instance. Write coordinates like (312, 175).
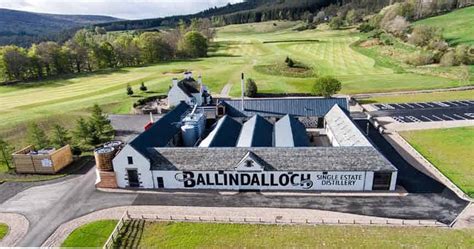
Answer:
(382, 180)
(133, 180)
(161, 183)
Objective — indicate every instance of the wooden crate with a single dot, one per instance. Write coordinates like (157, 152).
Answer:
(44, 163)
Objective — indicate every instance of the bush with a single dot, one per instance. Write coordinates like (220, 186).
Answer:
(462, 55)
(290, 63)
(143, 88)
(448, 59)
(420, 59)
(326, 86)
(251, 89)
(365, 27)
(336, 22)
(129, 90)
(386, 39)
(422, 35)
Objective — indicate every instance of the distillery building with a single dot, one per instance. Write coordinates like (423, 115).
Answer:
(294, 144)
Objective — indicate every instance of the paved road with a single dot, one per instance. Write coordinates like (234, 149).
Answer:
(48, 206)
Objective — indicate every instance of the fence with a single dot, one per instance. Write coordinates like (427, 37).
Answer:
(113, 236)
(281, 220)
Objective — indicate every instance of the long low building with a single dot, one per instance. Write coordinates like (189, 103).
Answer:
(256, 152)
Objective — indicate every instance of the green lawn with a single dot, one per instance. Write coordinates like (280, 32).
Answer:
(91, 235)
(3, 230)
(457, 25)
(450, 150)
(422, 97)
(204, 235)
(237, 48)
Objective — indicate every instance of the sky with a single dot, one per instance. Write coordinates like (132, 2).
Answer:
(126, 9)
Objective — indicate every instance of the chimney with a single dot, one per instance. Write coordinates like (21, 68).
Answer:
(201, 89)
(175, 82)
(242, 85)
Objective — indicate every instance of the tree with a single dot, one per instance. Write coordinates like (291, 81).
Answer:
(398, 26)
(37, 137)
(143, 88)
(326, 86)
(290, 63)
(81, 133)
(60, 136)
(129, 90)
(194, 45)
(336, 22)
(251, 89)
(154, 48)
(100, 126)
(6, 151)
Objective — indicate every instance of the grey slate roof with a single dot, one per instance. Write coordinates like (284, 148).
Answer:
(345, 132)
(289, 132)
(162, 131)
(256, 132)
(283, 159)
(189, 86)
(225, 134)
(283, 106)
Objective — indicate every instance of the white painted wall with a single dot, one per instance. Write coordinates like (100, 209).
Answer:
(174, 180)
(176, 95)
(141, 163)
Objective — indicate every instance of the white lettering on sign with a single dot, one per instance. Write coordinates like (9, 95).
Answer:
(264, 180)
(46, 163)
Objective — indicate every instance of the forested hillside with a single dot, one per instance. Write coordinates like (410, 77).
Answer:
(23, 28)
(266, 10)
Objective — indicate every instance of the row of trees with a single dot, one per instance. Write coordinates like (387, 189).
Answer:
(90, 50)
(87, 134)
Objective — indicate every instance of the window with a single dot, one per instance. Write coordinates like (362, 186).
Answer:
(130, 160)
(133, 179)
(382, 180)
(161, 182)
(248, 163)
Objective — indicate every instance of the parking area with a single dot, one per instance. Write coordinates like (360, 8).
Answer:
(426, 105)
(427, 111)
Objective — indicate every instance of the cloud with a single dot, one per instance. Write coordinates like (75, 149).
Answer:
(128, 9)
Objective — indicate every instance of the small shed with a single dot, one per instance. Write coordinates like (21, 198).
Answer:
(46, 161)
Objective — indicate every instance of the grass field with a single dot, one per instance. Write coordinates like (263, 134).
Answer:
(238, 48)
(3, 230)
(91, 235)
(457, 26)
(422, 97)
(202, 235)
(450, 150)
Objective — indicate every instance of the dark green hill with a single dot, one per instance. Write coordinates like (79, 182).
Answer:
(22, 28)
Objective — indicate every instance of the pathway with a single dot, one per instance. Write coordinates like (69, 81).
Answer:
(17, 228)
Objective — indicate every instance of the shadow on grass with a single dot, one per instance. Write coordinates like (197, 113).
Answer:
(131, 234)
(293, 41)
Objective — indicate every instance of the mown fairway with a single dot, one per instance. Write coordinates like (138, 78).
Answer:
(457, 26)
(202, 235)
(238, 48)
(450, 150)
